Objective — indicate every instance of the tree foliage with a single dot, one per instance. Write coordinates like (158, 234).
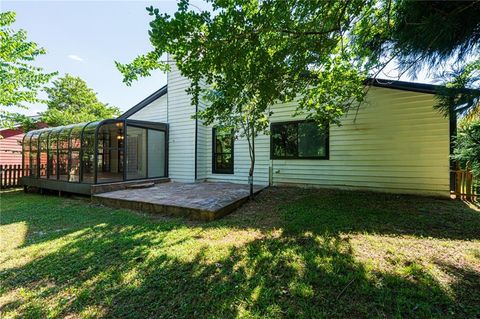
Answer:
(441, 35)
(249, 54)
(461, 93)
(263, 52)
(467, 147)
(70, 101)
(320, 50)
(435, 32)
(20, 81)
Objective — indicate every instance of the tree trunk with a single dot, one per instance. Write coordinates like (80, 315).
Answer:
(252, 163)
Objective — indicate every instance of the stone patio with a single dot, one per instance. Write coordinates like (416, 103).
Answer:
(198, 201)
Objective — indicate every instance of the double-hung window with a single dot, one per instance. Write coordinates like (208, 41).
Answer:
(299, 140)
(222, 150)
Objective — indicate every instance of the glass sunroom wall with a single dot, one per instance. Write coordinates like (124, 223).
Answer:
(63, 153)
(110, 152)
(43, 153)
(52, 165)
(156, 153)
(26, 154)
(34, 154)
(88, 152)
(136, 152)
(74, 156)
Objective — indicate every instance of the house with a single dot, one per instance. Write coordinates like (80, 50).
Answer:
(395, 143)
(10, 144)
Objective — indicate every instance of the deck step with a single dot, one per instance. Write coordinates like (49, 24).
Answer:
(141, 185)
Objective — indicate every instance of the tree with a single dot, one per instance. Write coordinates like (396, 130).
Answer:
(458, 95)
(467, 147)
(71, 101)
(248, 54)
(20, 81)
(439, 35)
(433, 32)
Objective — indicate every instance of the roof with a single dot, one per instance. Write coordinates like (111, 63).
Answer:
(149, 99)
(411, 86)
(403, 85)
(17, 126)
(383, 83)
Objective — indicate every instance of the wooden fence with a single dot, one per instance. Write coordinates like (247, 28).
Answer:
(465, 185)
(10, 176)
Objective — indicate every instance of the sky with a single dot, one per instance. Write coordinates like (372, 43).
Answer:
(84, 38)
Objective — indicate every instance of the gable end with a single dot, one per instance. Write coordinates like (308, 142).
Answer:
(154, 96)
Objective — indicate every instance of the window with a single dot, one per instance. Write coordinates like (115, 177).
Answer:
(75, 145)
(222, 151)
(34, 154)
(106, 151)
(110, 150)
(63, 156)
(88, 152)
(52, 154)
(296, 140)
(42, 151)
(156, 154)
(136, 152)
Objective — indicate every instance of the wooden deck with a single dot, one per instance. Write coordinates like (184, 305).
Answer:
(198, 201)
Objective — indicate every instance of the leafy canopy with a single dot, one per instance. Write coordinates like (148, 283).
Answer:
(20, 81)
(442, 35)
(435, 33)
(467, 146)
(251, 54)
(461, 93)
(70, 101)
(268, 51)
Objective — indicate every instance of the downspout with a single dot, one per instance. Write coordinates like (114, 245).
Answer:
(453, 134)
(196, 139)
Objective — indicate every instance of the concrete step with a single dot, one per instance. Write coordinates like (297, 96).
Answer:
(141, 185)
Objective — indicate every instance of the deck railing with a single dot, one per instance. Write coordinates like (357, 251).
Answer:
(465, 185)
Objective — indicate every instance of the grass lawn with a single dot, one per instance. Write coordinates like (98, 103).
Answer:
(290, 253)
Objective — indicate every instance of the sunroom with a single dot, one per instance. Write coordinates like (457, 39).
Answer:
(93, 157)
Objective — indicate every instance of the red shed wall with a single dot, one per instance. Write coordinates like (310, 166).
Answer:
(10, 147)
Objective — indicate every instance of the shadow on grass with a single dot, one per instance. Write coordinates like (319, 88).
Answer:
(319, 211)
(120, 265)
(331, 211)
(49, 217)
(110, 268)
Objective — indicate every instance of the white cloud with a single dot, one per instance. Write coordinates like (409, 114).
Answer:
(75, 57)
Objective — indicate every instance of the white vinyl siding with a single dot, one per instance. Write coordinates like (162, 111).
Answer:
(396, 143)
(204, 137)
(154, 112)
(181, 128)
(241, 162)
(241, 158)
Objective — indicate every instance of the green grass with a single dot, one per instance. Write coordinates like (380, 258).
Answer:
(290, 253)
